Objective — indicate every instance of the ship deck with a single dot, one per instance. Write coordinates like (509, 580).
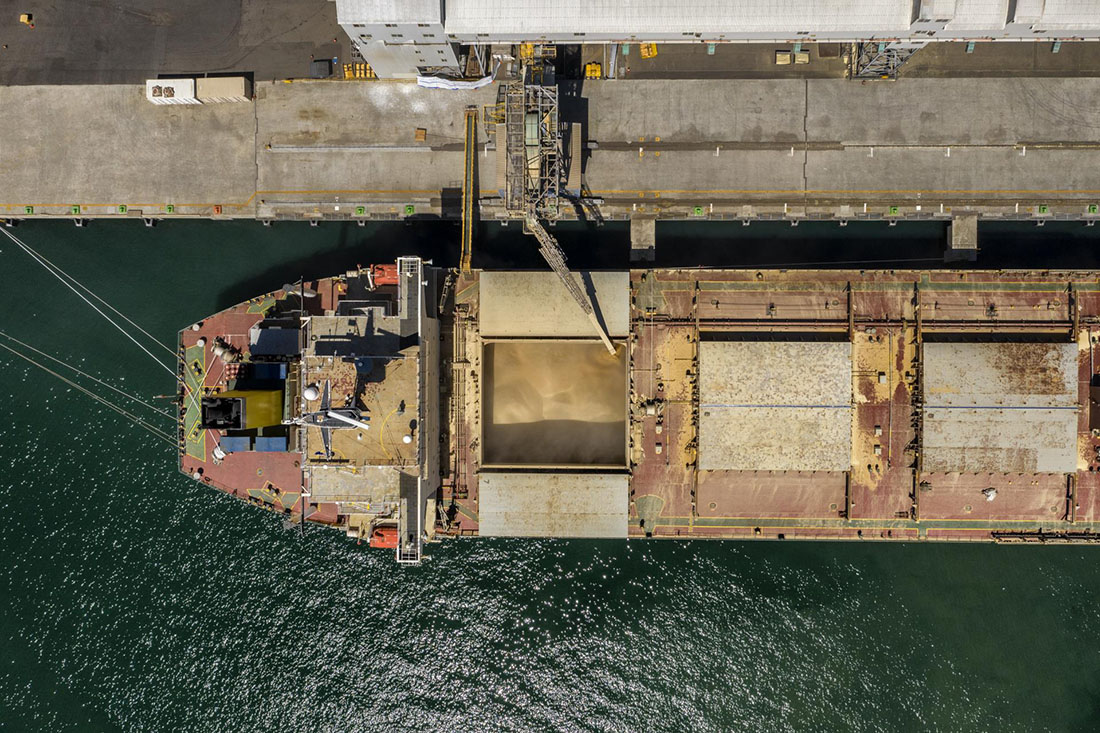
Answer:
(794, 490)
(884, 405)
(269, 480)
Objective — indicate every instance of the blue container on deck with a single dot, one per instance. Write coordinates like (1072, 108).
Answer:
(235, 443)
(270, 445)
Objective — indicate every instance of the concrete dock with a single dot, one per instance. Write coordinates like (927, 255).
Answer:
(720, 148)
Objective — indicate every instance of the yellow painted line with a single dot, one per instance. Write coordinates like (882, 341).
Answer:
(800, 191)
(466, 513)
(848, 528)
(249, 200)
(767, 519)
(992, 521)
(858, 522)
(654, 192)
(353, 190)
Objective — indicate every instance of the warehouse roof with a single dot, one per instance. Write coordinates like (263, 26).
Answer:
(527, 304)
(775, 406)
(1059, 14)
(1001, 407)
(552, 505)
(976, 14)
(628, 17)
(389, 11)
(533, 18)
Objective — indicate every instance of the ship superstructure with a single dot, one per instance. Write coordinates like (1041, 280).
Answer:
(321, 401)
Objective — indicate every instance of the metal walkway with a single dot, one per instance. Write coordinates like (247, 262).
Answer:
(469, 189)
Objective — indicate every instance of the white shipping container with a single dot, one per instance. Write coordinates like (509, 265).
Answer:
(171, 91)
(216, 89)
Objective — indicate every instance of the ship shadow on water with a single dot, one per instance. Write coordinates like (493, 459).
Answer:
(874, 245)
(351, 246)
(765, 245)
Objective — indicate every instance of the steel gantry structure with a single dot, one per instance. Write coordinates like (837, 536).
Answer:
(534, 174)
(533, 138)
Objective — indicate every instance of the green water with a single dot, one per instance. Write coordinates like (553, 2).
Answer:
(134, 599)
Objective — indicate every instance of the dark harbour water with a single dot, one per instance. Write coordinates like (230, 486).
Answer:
(133, 599)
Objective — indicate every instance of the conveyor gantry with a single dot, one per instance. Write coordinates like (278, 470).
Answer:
(533, 174)
(551, 252)
(469, 190)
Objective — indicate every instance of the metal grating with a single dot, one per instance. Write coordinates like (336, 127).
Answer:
(882, 60)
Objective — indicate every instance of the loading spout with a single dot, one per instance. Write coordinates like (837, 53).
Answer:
(551, 252)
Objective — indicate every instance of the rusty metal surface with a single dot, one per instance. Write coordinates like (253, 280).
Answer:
(1000, 407)
(888, 488)
(885, 493)
(1000, 374)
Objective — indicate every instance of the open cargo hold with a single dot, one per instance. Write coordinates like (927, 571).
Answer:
(554, 403)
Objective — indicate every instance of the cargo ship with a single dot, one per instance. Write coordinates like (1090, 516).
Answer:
(404, 403)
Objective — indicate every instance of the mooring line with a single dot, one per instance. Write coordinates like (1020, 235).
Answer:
(130, 416)
(108, 385)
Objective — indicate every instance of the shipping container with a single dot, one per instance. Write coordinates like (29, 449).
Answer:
(219, 89)
(171, 91)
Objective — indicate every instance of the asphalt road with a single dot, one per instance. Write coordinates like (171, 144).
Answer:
(127, 41)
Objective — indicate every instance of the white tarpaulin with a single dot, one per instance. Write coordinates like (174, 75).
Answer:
(438, 82)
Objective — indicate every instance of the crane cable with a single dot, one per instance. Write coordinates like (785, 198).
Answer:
(128, 415)
(108, 385)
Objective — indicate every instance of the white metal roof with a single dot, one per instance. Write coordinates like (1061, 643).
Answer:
(628, 17)
(389, 11)
(937, 9)
(1069, 15)
(1029, 11)
(979, 15)
(532, 18)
